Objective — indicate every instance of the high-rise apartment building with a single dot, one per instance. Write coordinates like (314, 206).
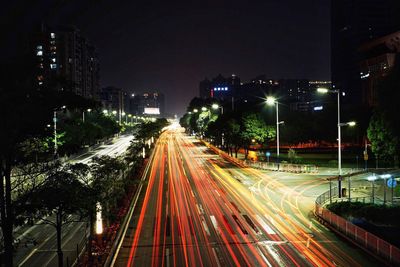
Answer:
(63, 54)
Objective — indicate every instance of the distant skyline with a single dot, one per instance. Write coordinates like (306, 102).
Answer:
(170, 47)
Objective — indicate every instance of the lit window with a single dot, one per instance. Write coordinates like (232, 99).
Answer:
(40, 83)
(39, 53)
(53, 66)
(53, 59)
(52, 35)
(39, 47)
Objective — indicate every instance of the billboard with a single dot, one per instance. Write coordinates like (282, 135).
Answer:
(152, 111)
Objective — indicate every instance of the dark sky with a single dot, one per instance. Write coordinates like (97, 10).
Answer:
(170, 46)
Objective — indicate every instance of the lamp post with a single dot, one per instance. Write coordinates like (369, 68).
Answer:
(339, 125)
(216, 106)
(130, 116)
(385, 176)
(55, 130)
(272, 101)
(372, 180)
(126, 117)
(83, 114)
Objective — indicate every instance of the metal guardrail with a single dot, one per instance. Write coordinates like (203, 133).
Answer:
(362, 237)
(283, 167)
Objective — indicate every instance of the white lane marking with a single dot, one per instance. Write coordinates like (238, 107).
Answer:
(263, 256)
(217, 192)
(216, 257)
(27, 258)
(266, 227)
(192, 192)
(228, 208)
(198, 209)
(214, 222)
(205, 227)
(167, 256)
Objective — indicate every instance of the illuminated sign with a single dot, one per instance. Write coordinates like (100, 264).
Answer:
(152, 111)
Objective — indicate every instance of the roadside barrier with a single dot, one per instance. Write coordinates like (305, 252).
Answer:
(355, 233)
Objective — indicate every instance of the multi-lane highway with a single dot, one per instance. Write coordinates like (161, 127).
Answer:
(200, 210)
(36, 244)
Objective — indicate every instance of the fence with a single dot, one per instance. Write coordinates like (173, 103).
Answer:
(284, 167)
(364, 238)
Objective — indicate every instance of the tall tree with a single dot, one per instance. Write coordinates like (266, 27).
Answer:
(62, 195)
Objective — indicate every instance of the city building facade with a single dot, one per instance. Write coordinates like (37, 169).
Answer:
(63, 54)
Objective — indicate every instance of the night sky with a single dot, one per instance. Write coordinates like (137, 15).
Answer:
(170, 46)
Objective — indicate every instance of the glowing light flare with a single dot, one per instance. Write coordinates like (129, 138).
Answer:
(99, 220)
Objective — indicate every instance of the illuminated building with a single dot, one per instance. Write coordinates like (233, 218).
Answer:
(64, 54)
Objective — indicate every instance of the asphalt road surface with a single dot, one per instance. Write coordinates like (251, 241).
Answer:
(201, 210)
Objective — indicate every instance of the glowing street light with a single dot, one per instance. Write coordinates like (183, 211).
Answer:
(99, 220)
(339, 124)
(322, 90)
(216, 106)
(270, 102)
(195, 110)
(105, 111)
(83, 114)
(203, 109)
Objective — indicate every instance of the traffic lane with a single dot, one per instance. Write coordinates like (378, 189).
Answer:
(318, 239)
(238, 228)
(296, 240)
(45, 254)
(168, 240)
(145, 239)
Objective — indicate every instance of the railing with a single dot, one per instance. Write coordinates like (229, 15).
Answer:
(362, 237)
(284, 167)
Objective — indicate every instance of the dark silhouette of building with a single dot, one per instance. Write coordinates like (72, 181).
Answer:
(115, 101)
(64, 54)
(379, 57)
(354, 22)
(205, 88)
(148, 103)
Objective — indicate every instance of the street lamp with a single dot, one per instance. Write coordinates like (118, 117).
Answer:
(372, 179)
(195, 110)
(203, 109)
(216, 106)
(83, 114)
(55, 129)
(126, 117)
(130, 116)
(270, 102)
(339, 125)
(385, 176)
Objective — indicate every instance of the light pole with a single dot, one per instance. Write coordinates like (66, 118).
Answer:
(55, 130)
(272, 101)
(339, 125)
(216, 106)
(130, 116)
(385, 176)
(83, 114)
(126, 117)
(372, 180)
